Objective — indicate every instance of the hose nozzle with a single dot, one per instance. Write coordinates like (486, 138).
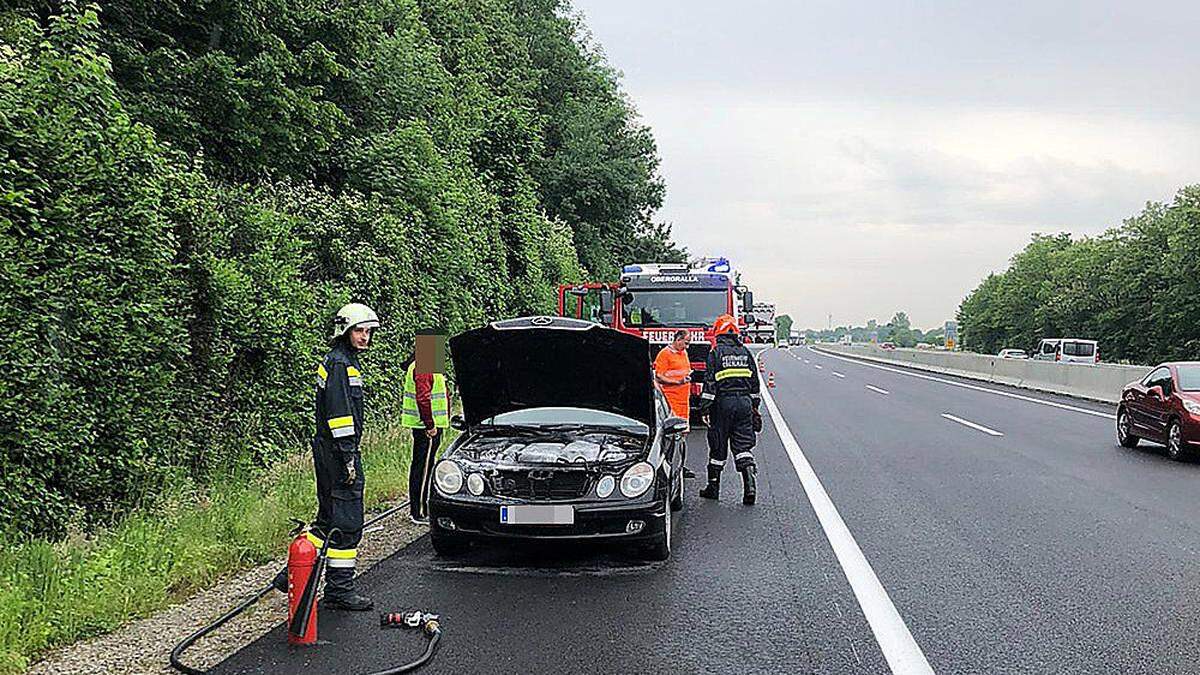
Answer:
(413, 619)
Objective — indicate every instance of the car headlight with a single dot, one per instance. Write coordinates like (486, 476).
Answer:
(475, 484)
(1192, 407)
(637, 479)
(606, 486)
(448, 476)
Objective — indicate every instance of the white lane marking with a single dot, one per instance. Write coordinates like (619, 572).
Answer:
(807, 361)
(967, 423)
(877, 390)
(837, 374)
(903, 654)
(964, 385)
(819, 366)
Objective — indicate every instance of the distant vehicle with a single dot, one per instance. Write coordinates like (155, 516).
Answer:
(846, 340)
(924, 345)
(1164, 407)
(796, 339)
(888, 345)
(1068, 350)
(1013, 354)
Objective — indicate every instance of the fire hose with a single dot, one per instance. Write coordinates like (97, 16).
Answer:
(428, 623)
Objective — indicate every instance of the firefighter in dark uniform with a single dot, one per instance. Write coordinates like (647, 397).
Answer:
(335, 447)
(729, 402)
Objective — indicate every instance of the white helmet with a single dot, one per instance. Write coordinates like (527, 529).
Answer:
(354, 314)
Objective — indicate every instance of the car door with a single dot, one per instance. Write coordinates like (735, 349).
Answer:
(1046, 350)
(1160, 410)
(1146, 409)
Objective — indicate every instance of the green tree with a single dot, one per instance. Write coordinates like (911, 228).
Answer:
(783, 328)
(189, 190)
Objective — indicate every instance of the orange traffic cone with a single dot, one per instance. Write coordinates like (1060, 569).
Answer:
(770, 380)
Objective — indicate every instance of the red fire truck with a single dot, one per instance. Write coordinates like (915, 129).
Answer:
(654, 300)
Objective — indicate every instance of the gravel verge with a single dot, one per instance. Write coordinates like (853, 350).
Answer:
(144, 646)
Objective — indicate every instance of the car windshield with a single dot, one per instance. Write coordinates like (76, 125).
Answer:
(563, 417)
(1189, 377)
(674, 307)
(1078, 348)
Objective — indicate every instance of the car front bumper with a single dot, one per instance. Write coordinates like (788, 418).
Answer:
(463, 519)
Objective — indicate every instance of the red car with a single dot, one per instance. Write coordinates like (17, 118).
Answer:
(1164, 407)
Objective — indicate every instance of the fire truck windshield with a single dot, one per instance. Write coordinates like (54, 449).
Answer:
(658, 308)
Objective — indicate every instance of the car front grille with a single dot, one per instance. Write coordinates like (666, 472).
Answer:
(541, 484)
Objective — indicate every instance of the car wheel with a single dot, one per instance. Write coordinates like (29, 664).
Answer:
(661, 548)
(1176, 450)
(447, 547)
(1125, 435)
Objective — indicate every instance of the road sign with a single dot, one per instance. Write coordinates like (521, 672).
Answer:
(951, 334)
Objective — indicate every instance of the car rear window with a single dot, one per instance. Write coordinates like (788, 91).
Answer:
(1079, 349)
(1189, 377)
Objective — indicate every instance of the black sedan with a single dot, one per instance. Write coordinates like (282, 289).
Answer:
(565, 438)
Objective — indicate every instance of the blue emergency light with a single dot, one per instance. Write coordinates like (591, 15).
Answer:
(721, 265)
(631, 269)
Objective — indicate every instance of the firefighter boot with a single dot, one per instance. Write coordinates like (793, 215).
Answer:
(749, 489)
(713, 489)
(340, 593)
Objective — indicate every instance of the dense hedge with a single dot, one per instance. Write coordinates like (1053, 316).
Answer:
(1133, 288)
(189, 190)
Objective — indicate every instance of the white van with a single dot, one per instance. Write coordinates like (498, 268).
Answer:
(1068, 350)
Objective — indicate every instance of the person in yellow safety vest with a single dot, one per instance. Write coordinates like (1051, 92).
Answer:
(426, 410)
(336, 458)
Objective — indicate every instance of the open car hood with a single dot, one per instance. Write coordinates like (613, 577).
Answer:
(542, 361)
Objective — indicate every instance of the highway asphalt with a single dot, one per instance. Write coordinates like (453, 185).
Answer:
(942, 527)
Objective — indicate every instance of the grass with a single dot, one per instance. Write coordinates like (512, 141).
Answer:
(56, 593)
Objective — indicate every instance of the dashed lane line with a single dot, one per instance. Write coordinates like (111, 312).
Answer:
(964, 385)
(903, 654)
(837, 374)
(877, 390)
(819, 366)
(977, 427)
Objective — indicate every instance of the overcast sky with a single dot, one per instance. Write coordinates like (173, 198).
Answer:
(859, 158)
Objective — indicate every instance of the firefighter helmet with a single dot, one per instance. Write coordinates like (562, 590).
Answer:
(725, 324)
(353, 314)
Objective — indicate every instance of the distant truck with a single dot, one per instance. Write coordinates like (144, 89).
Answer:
(846, 340)
(655, 300)
(760, 334)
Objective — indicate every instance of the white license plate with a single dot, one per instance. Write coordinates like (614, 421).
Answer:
(537, 514)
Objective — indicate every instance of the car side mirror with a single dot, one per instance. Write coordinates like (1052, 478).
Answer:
(457, 422)
(1157, 392)
(748, 302)
(675, 425)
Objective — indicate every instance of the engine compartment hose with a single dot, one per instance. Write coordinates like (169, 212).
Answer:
(186, 643)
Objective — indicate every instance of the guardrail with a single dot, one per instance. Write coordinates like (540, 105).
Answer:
(1099, 382)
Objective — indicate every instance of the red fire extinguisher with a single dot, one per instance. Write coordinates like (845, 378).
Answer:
(303, 574)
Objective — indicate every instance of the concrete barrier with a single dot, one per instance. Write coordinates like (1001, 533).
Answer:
(1099, 382)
